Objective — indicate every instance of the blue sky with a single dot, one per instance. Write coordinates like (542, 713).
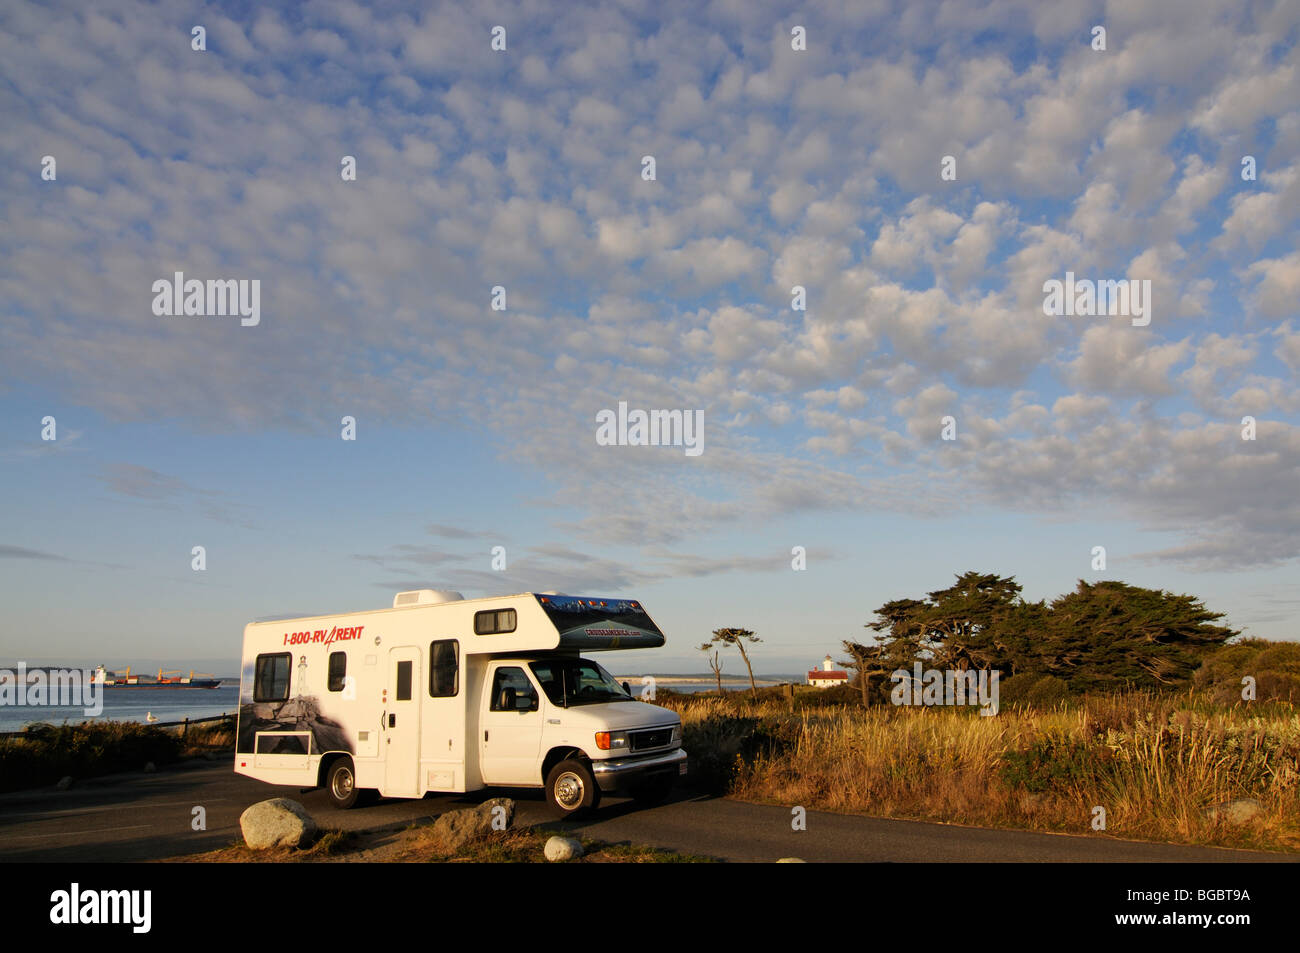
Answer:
(522, 168)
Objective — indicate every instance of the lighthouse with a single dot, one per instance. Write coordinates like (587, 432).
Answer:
(828, 675)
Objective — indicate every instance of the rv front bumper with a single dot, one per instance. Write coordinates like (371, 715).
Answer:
(615, 773)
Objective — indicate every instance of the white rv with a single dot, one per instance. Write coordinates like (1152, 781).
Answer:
(441, 693)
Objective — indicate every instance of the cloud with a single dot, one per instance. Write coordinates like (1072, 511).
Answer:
(775, 169)
(1277, 293)
(21, 552)
(142, 483)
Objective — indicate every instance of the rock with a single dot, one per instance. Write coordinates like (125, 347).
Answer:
(489, 810)
(1241, 811)
(455, 829)
(64, 783)
(150, 767)
(276, 822)
(560, 848)
(791, 860)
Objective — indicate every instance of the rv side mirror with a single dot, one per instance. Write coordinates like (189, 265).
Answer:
(506, 700)
(627, 688)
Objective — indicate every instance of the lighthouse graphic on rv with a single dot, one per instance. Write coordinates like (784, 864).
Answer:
(446, 694)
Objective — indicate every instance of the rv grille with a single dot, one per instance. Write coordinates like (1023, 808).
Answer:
(654, 738)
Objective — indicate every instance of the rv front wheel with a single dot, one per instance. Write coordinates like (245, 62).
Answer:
(342, 784)
(571, 789)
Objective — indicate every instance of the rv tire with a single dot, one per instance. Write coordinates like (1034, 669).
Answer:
(571, 789)
(341, 784)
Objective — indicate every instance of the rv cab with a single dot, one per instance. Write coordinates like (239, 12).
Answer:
(441, 693)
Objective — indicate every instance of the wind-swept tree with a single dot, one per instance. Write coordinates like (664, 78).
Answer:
(1104, 635)
(867, 661)
(715, 662)
(1108, 635)
(959, 627)
(901, 631)
(738, 638)
(961, 621)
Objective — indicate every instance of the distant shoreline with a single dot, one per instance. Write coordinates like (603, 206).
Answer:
(704, 679)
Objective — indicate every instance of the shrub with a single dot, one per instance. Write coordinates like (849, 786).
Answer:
(1275, 667)
(1031, 688)
(721, 745)
(1054, 762)
(45, 753)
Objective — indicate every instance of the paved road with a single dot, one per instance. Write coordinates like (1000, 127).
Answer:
(148, 816)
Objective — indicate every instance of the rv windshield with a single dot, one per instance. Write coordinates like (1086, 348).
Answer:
(577, 681)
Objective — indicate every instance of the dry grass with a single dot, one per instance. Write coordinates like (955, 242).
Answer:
(525, 845)
(420, 844)
(209, 738)
(328, 845)
(1153, 762)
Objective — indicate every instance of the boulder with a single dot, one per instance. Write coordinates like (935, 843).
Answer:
(455, 829)
(506, 813)
(275, 823)
(65, 782)
(560, 848)
(150, 767)
(1241, 811)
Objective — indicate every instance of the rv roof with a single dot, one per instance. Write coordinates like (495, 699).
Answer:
(586, 623)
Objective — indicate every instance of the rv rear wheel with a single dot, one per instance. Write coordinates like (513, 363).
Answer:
(341, 783)
(571, 789)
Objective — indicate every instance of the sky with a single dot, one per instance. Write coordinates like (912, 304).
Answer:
(516, 177)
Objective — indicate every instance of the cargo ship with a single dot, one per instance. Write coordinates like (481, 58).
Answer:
(171, 678)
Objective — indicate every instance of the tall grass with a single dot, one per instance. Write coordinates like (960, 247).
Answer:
(1153, 762)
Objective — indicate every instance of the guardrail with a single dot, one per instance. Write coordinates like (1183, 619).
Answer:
(183, 724)
(228, 716)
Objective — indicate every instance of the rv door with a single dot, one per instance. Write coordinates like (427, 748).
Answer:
(511, 726)
(401, 724)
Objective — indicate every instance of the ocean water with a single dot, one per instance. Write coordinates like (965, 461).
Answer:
(687, 688)
(133, 704)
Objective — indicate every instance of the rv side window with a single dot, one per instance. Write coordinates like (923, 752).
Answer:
(512, 678)
(338, 670)
(403, 691)
(271, 678)
(444, 668)
(494, 621)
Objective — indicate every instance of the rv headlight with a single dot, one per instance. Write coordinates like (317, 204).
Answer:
(609, 740)
(677, 733)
